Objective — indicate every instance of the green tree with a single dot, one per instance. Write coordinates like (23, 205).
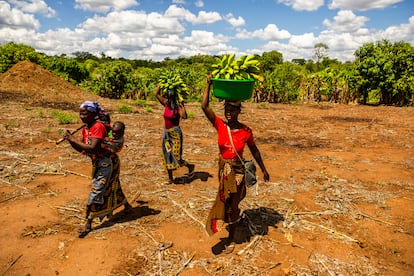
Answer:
(269, 60)
(68, 68)
(282, 85)
(113, 79)
(386, 72)
(12, 53)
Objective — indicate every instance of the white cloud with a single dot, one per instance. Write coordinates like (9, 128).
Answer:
(361, 5)
(235, 22)
(202, 17)
(346, 21)
(270, 32)
(133, 21)
(128, 41)
(398, 33)
(306, 41)
(199, 4)
(288, 51)
(34, 6)
(15, 19)
(104, 6)
(303, 5)
(206, 18)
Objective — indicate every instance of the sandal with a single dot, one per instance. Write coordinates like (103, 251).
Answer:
(229, 248)
(191, 168)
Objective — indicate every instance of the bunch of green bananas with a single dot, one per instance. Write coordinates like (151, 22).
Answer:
(243, 68)
(172, 81)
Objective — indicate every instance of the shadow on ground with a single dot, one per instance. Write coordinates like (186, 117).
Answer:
(186, 179)
(132, 214)
(252, 222)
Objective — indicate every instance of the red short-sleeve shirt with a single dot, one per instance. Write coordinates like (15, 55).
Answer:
(97, 130)
(241, 137)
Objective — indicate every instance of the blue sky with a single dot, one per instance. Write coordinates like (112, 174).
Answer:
(156, 29)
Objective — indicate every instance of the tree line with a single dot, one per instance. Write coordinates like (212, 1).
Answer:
(382, 73)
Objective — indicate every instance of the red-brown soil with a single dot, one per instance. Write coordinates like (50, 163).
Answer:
(339, 200)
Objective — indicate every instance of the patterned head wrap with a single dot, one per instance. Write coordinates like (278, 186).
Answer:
(94, 107)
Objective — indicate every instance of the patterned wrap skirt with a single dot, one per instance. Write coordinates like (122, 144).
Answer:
(106, 193)
(172, 150)
(231, 191)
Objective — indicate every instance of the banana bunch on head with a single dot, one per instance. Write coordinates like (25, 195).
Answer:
(172, 84)
(243, 68)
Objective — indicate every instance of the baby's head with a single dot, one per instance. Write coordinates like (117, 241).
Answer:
(118, 129)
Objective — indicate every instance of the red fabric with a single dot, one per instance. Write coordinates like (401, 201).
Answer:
(214, 226)
(97, 130)
(171, 117)
(241, 137)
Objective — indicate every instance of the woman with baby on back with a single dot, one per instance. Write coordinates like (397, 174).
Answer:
(106, 194)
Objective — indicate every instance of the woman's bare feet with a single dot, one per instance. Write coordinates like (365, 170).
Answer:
(85, 229)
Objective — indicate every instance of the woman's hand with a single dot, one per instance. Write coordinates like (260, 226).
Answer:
(209, 79)
(67, 135)
(206, 101)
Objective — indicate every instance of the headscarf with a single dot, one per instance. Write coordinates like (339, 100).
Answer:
(94, 107)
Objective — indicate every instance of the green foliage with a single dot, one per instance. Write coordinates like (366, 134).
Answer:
(190, 114)
(10, 125)
(140, 102)
(64, 117)
(113, 79)
(386, 72)
(125, 109)
(269, 60)
(65, 67)
(41, 113)
(383, 73)
(282, 84)
(12, 53)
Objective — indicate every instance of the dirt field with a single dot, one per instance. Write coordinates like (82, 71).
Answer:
(340, 200)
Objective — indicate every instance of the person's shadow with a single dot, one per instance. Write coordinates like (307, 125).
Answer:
(128, 215)
(186, 179)
(252, 222)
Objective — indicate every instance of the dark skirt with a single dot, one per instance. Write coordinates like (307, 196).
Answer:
(106, 193)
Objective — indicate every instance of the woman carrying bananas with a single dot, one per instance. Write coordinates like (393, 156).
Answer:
(232, 187)
(172, 138)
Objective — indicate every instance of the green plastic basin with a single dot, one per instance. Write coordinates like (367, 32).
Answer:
(232, 89)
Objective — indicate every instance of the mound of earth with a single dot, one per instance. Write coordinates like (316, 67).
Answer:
(30, 83)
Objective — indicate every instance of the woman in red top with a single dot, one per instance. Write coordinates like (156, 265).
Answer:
(106, 193)
(232, 188)
(172, 138)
